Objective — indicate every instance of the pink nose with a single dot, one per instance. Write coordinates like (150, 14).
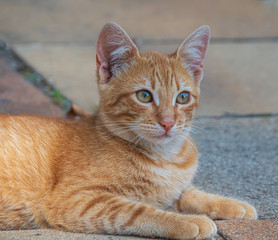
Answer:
(167, 124)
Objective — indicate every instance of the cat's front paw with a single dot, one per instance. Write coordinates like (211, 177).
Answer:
(231, 208)
(195, 227)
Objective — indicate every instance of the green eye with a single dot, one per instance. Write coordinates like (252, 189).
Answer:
(144, 96)
(183, 98)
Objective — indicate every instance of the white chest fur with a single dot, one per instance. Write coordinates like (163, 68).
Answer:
(168, 185)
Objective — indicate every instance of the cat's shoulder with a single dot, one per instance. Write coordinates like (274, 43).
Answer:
(27, 121)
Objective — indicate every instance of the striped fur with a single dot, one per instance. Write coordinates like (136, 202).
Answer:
(115, 172)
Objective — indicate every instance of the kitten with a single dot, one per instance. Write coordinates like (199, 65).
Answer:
(128, 168)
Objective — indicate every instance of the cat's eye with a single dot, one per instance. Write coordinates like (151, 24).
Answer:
(144, 96)
(183, 98)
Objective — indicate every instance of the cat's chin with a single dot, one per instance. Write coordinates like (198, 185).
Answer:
(162, 139)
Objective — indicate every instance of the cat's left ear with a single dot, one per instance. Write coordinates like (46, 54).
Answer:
(115, 51)
(192, 52)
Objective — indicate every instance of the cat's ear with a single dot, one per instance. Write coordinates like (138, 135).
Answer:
(192, 52)
(115, 51)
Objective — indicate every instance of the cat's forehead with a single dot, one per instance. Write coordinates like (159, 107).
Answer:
(165, 71)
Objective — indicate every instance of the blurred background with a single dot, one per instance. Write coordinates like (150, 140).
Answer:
(58, 38)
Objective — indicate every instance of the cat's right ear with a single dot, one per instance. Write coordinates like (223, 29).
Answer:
(192, 52)
(115, 51)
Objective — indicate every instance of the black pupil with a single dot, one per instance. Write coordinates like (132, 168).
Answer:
(145, 94)
(184, 95)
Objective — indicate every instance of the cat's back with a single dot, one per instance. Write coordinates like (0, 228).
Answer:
(22, 124)
(26, 143)
(21, 134)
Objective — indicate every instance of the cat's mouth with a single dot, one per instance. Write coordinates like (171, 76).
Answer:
(163, 136)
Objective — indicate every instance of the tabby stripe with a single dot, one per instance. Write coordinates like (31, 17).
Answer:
(153, 81)
(100, 227)
(96, 188)
(105, 209)
(130, 208)
(157, 77)
(100, 199)
(176, 80)
(115, 209)
(91, 188)
(178, 204)
(135, 215)
(77, 203)
(101, 212)
(120, 97)
(73, 205)
(125, 114)
(169, 76)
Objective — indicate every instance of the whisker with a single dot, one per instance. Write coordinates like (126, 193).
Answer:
(102, 113)
(118, 131)
(137, 142)
(115, 124)
(188, 140)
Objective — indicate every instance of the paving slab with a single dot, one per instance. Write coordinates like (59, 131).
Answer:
(248, 229)
(48, 234)
(71, 69)
(17, 96)
(23, 21)
(239, 78)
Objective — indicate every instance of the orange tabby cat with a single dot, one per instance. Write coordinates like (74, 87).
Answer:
(126, 169)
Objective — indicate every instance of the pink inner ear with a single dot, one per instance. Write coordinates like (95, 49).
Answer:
(98, 63)
(102, 69)
(102, 57)
(114, 51)
(193, 50)
(198, 74)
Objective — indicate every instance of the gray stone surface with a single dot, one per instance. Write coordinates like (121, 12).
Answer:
(48, 234)
(68, 21)
(239, 158)
(248, 229)
(17, 96)
(71, 69)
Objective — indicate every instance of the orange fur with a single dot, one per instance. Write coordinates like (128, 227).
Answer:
(117, 171)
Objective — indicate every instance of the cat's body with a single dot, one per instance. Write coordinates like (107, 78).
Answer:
(92, 162)
(127, 169)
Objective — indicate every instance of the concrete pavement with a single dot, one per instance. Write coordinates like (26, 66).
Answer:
(17, 96)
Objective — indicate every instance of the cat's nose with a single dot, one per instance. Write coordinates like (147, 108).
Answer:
(167, 124)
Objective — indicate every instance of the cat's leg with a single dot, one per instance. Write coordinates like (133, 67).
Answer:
(111, 214)
(15, 217)
(195, 201)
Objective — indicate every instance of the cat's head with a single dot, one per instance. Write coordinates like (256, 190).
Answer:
(149, 97)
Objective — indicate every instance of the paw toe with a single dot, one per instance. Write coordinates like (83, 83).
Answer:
(207, 228)
(251, 212)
